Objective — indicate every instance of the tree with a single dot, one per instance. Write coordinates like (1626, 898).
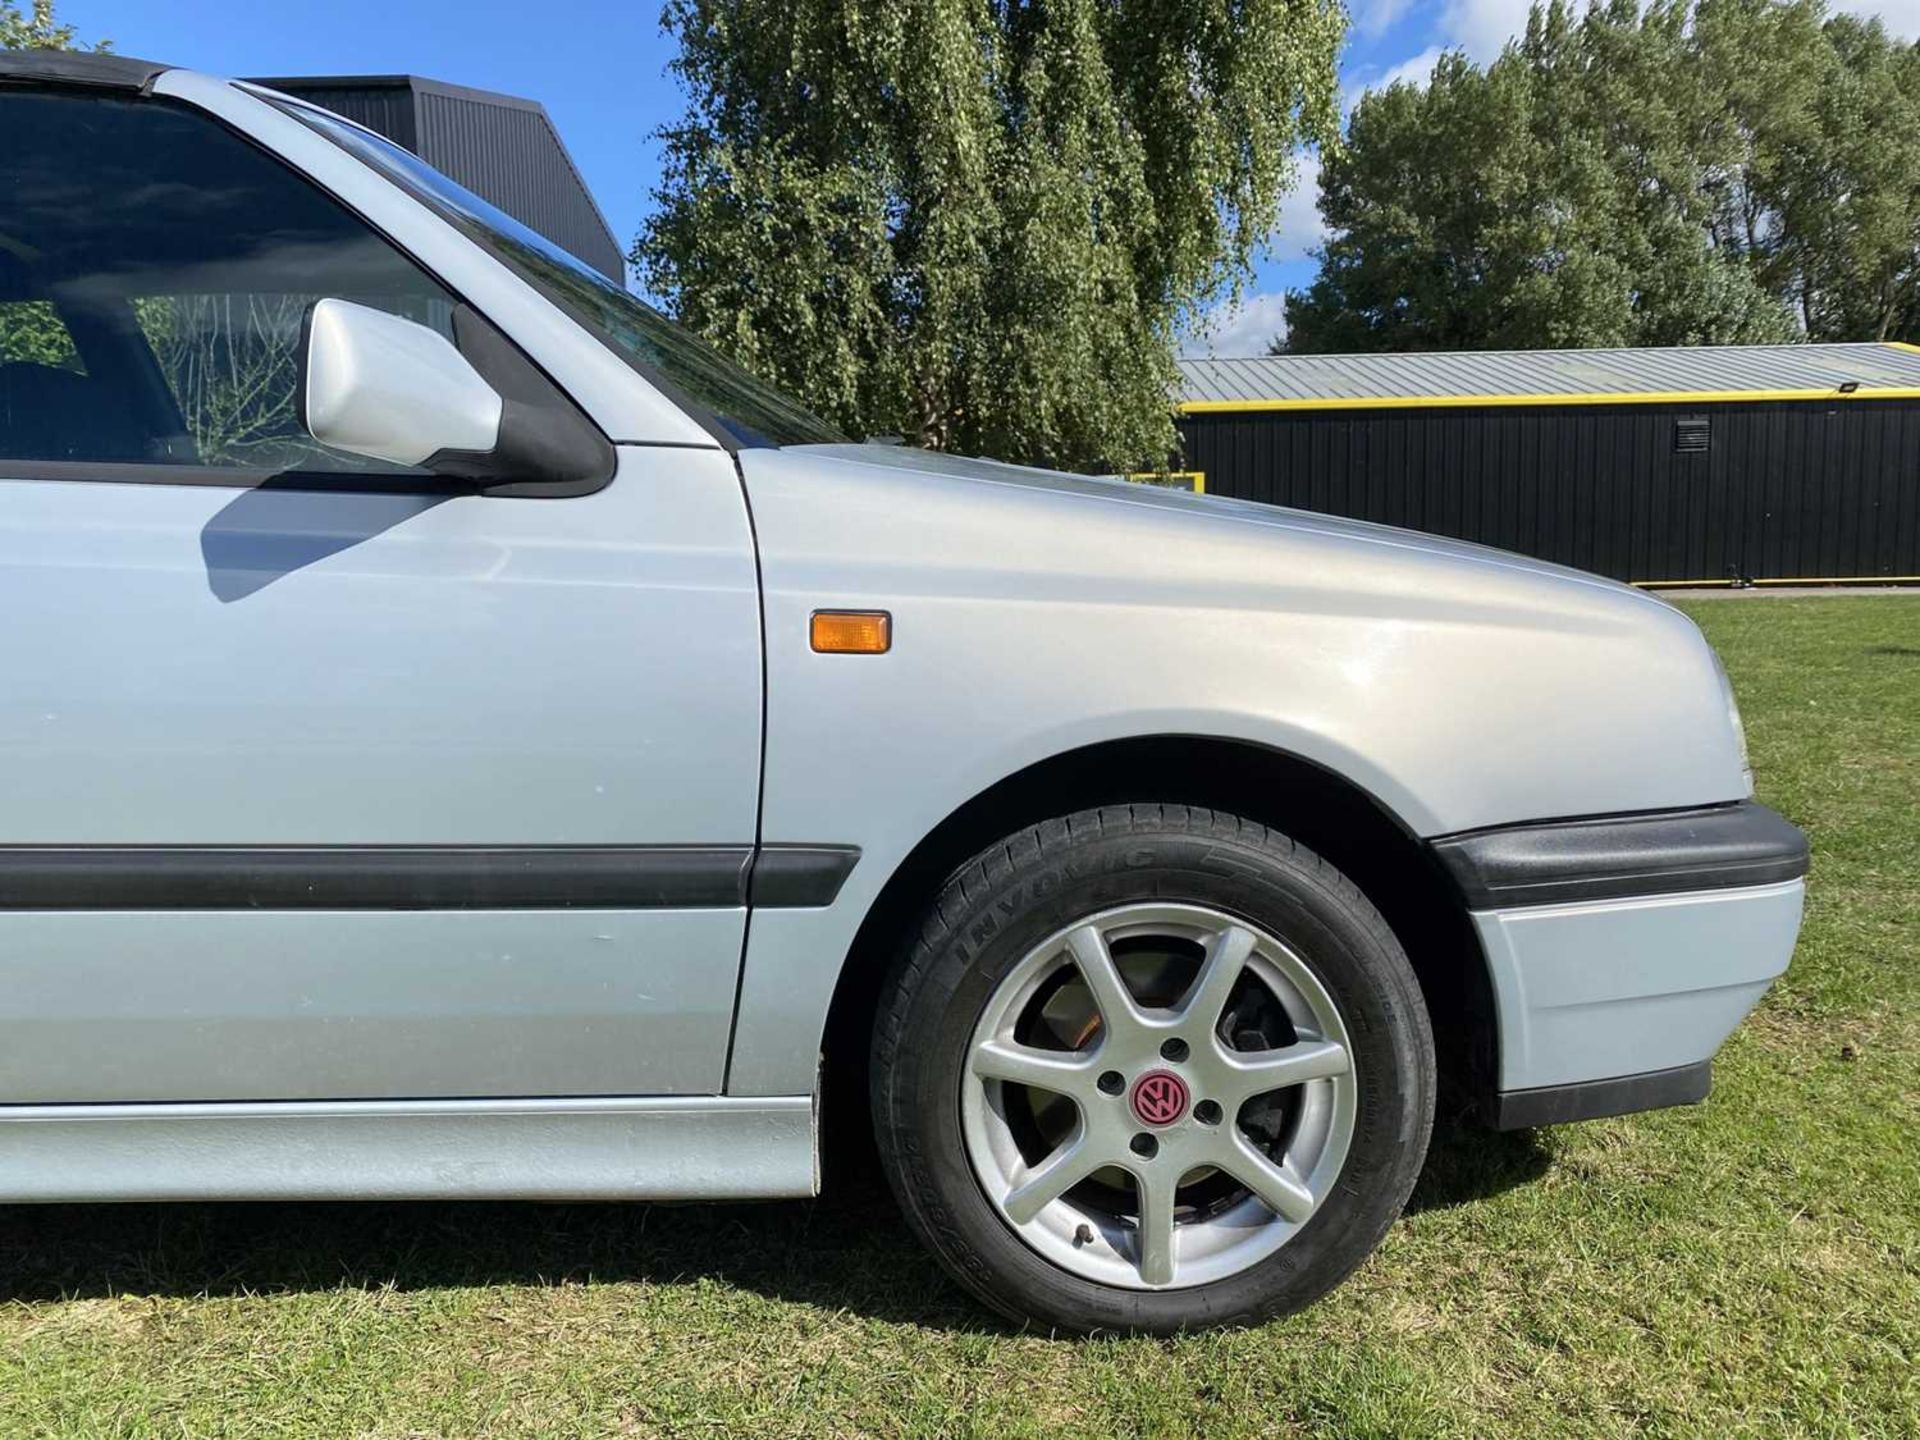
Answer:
(1842, 188)
(37, 30)
(1669, 174)
(232, 363)
(1818, 120)
(980, 223)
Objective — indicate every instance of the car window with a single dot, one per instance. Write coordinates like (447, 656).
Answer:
(739, 407)
(32, 333)
(155, 273)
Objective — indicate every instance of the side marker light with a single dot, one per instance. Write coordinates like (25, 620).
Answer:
(852, 632)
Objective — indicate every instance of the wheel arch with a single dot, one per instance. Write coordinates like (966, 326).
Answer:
(1314, 805)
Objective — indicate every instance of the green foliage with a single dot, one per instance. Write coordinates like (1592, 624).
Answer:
(30, 331)
(980, 224)
(37, 29)
(1722, 172)
(232, 362)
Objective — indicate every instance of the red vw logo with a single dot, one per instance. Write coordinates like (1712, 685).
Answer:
(1159, 1097)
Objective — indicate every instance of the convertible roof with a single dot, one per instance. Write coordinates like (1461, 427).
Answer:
(71, 67)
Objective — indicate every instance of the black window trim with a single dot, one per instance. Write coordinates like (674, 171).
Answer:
(341, 482)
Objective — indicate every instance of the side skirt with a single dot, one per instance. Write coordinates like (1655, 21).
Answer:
(665, 1148)
(1593, 1099)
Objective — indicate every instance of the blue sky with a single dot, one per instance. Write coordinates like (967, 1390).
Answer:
(599, 67)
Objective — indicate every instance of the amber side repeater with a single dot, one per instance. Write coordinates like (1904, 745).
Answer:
(852, 632)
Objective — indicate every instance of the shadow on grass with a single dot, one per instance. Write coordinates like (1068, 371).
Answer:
(848, 1250)
(1467, 1162)
(845, 1251)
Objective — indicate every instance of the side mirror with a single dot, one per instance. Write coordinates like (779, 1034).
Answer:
(374, 384)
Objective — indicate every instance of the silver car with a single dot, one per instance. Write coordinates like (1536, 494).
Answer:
(459, 736)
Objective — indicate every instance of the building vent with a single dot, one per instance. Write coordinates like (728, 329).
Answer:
(1691, 435)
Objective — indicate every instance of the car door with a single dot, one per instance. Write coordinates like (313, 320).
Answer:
(321, 779)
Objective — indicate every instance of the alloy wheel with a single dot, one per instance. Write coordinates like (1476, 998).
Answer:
(1158, 1096)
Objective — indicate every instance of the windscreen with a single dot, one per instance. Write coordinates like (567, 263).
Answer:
(747, 411)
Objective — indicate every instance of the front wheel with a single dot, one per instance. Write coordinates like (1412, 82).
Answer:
(1150, 1068)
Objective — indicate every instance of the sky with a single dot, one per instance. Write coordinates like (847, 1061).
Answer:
(599, 66)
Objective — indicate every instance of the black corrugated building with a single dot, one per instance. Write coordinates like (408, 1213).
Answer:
(1750, 464)
(504, 149)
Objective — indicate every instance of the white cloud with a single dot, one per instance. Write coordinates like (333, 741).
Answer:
(1902, 16)
(1417, 69)
(1248, 329)
(1300, 227)
(1376, 17)
(1481, 27)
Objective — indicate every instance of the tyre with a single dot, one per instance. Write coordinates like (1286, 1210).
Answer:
(1150, 1068)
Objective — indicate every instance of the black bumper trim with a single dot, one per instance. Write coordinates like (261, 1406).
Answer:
(1592, 1099)
(1611, 857)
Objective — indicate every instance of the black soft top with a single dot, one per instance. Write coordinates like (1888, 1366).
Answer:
(70, 67)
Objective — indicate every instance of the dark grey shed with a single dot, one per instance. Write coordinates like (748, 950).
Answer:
(504, 149)
(1766, 465)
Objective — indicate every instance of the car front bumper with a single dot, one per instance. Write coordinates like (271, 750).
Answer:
(1623, 950)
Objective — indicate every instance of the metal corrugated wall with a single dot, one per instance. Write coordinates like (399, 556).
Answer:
(502, 148)
(386, 111)
(514, 158)
(1784, 491)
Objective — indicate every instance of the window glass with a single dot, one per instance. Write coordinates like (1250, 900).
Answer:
(155, 271)
(688, 370)
(32, 332)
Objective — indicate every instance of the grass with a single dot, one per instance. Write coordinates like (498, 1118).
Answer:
(1751, 1267)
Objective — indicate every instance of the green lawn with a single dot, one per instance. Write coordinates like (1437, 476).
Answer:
(1749, 1267)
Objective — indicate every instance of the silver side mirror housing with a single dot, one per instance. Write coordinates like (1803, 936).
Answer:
(376, 385)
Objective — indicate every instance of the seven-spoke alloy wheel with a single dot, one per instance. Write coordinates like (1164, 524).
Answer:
(1233, 1113)
(1149, 1068)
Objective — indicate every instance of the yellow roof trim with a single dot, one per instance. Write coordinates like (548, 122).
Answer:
(1197, 477)
(1903, 345)
(1476, 402)
(1784, 583)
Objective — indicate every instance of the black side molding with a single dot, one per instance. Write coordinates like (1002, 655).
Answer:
(1614, 856)
(373, 877)
(1593, 1099)
(419, 877)
(799, 877)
